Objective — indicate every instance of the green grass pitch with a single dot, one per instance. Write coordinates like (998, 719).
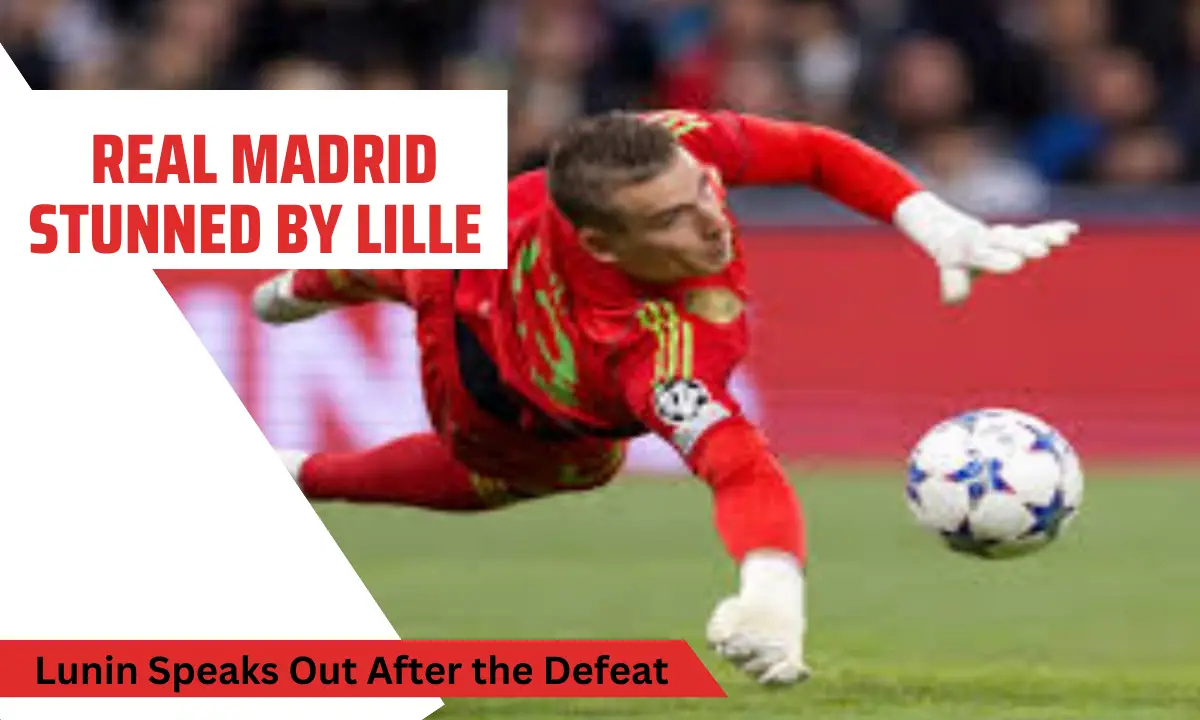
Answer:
(1105, 625)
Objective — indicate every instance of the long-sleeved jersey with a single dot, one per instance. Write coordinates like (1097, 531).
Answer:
(571, 345)
(591, 350)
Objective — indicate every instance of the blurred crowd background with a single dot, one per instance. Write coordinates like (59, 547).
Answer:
(994, 100)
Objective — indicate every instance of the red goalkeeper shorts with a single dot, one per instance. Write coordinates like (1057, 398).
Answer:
(520, 461)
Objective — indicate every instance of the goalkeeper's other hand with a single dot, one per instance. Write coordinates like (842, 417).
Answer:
(963, 246)
(275, 303)
(761, 629)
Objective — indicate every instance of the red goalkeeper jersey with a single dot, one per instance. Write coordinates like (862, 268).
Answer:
(563, 344)
(590, 350)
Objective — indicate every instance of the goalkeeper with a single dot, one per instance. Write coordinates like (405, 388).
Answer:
(622, 313)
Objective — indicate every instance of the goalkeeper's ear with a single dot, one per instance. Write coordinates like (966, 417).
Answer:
(598, 244)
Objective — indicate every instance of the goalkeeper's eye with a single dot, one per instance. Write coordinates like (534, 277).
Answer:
(670, 216)
(669, 219)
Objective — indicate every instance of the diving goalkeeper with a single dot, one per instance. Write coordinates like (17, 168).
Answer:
(622, 312)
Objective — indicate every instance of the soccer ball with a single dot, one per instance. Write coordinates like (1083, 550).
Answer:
(994, 483)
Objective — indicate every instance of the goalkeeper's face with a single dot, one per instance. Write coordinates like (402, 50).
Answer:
(673, 226)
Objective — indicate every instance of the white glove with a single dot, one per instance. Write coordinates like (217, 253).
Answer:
(962, 245)
(761, 629)
(274, 302)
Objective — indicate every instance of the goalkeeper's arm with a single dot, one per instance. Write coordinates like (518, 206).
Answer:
(675, 376)
(756, 512)
(755, 507)
(765, 151)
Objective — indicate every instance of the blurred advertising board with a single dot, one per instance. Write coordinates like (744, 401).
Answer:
(852, 356)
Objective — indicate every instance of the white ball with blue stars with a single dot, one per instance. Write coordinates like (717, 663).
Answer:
(994, 483)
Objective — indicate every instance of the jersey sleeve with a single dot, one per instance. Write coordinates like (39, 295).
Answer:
(676, 379)
(675, 374)
(752, 150)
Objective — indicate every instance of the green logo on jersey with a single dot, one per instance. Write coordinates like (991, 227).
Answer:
(679, 122)
(556, 351)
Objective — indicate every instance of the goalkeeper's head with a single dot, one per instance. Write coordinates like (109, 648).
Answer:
(639, 199)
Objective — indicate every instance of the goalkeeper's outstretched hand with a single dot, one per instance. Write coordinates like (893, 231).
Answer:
(964, 246)
(761, 629)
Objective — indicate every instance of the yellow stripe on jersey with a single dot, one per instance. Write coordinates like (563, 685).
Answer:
(671, 340)
(674, 336)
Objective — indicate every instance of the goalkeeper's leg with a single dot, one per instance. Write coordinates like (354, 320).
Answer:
(421, 471)
(296, 295)
(415, 471)
(473, 461)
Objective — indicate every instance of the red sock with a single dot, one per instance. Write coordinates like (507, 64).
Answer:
(351, 286)
(417, 471)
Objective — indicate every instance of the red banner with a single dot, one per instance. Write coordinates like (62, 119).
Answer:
(856, 357)
(408, 668)
(853, 356)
